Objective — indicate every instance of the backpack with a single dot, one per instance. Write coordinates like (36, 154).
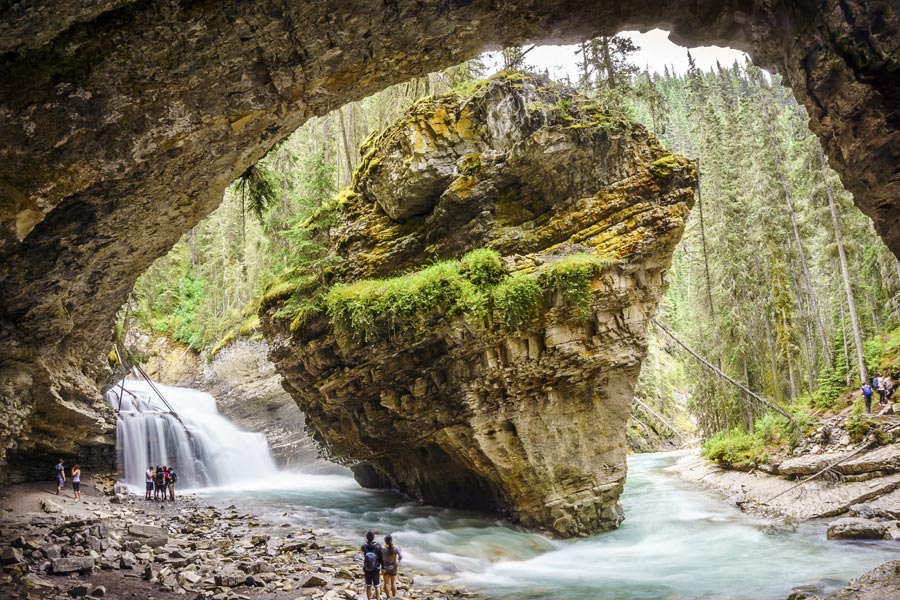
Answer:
(173, 476)
(370, 559)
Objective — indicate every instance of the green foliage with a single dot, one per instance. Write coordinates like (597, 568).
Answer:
(571, 278)
(445, 288)
(483, 267)
(177, 314)
(258, 189)
(518, 300)
(874, 350)
(736, 448)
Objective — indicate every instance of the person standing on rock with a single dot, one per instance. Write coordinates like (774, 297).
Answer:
(391, 557)
(76, 481)
(173, 478)
(60, 476)
(160, 483)
(888, 390)
(373, 560)
(879, 384)
(867, 396)
(149, 475)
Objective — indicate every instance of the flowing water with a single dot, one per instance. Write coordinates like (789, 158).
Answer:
(678, 542)
(205, 448)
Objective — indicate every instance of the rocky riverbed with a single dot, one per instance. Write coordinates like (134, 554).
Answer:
(119, 546)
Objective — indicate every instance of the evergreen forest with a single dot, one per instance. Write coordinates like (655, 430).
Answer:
(780, 284)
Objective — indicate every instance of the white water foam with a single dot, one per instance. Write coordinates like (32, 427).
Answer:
(206, 449)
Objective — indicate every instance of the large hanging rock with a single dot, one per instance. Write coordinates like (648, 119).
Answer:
(498, 379)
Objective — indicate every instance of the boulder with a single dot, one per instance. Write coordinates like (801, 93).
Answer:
(72, 564)
(10, 555)
(855, 528)
(312, 581)
(80, 591)
(149, 535)
(881, 583)
(482, 395)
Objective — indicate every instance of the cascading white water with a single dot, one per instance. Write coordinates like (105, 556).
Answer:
(205, 448)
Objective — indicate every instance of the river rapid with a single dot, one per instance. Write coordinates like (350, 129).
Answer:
(678, 541)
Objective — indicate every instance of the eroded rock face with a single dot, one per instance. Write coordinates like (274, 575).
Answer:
(463, 408)
(121, 123)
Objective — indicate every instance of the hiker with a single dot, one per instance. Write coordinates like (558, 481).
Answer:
(372, 563)
(60, 476)
(160, 483)
(173, 479)
(867, 395)
(150, 477)
(888, 390)
(879, 384)
(76, 481)
(391, 558)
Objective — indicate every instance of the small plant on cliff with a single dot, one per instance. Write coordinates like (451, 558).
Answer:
(517, 300)
(571, 278)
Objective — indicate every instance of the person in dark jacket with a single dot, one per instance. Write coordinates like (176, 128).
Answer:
(373, 560)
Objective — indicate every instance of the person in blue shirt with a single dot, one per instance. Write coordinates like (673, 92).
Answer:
(867, 396)
(60, 476)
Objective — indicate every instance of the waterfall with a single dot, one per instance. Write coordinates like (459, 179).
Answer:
(205, 448)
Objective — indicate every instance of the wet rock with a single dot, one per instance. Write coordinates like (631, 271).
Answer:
(72, 564)
(881, 583)
(854, 528)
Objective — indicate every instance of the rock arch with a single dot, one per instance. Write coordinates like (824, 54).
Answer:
(121, 123)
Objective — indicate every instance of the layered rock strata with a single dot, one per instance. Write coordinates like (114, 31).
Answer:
(122, 122)
(501, 378)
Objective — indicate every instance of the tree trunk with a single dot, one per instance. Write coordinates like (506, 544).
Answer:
(345, 138)
(845, 270)
(814, 305)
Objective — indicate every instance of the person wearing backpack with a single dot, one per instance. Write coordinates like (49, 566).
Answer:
(867, 396)
(391, 558)
(373, 560)
(173, 479)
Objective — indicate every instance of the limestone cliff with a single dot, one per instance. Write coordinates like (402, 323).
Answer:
(500, 377)
(122, 122)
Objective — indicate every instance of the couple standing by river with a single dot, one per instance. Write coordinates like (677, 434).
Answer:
(385, 560)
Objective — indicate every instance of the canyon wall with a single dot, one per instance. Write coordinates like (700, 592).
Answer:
(121, 123)
(502, 377)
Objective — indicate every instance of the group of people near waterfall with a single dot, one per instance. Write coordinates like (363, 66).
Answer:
(380, 561)
(161, 479)
(883, 385)
(60, 472)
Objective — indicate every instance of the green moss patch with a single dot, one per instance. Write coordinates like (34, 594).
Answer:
(571, 277)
